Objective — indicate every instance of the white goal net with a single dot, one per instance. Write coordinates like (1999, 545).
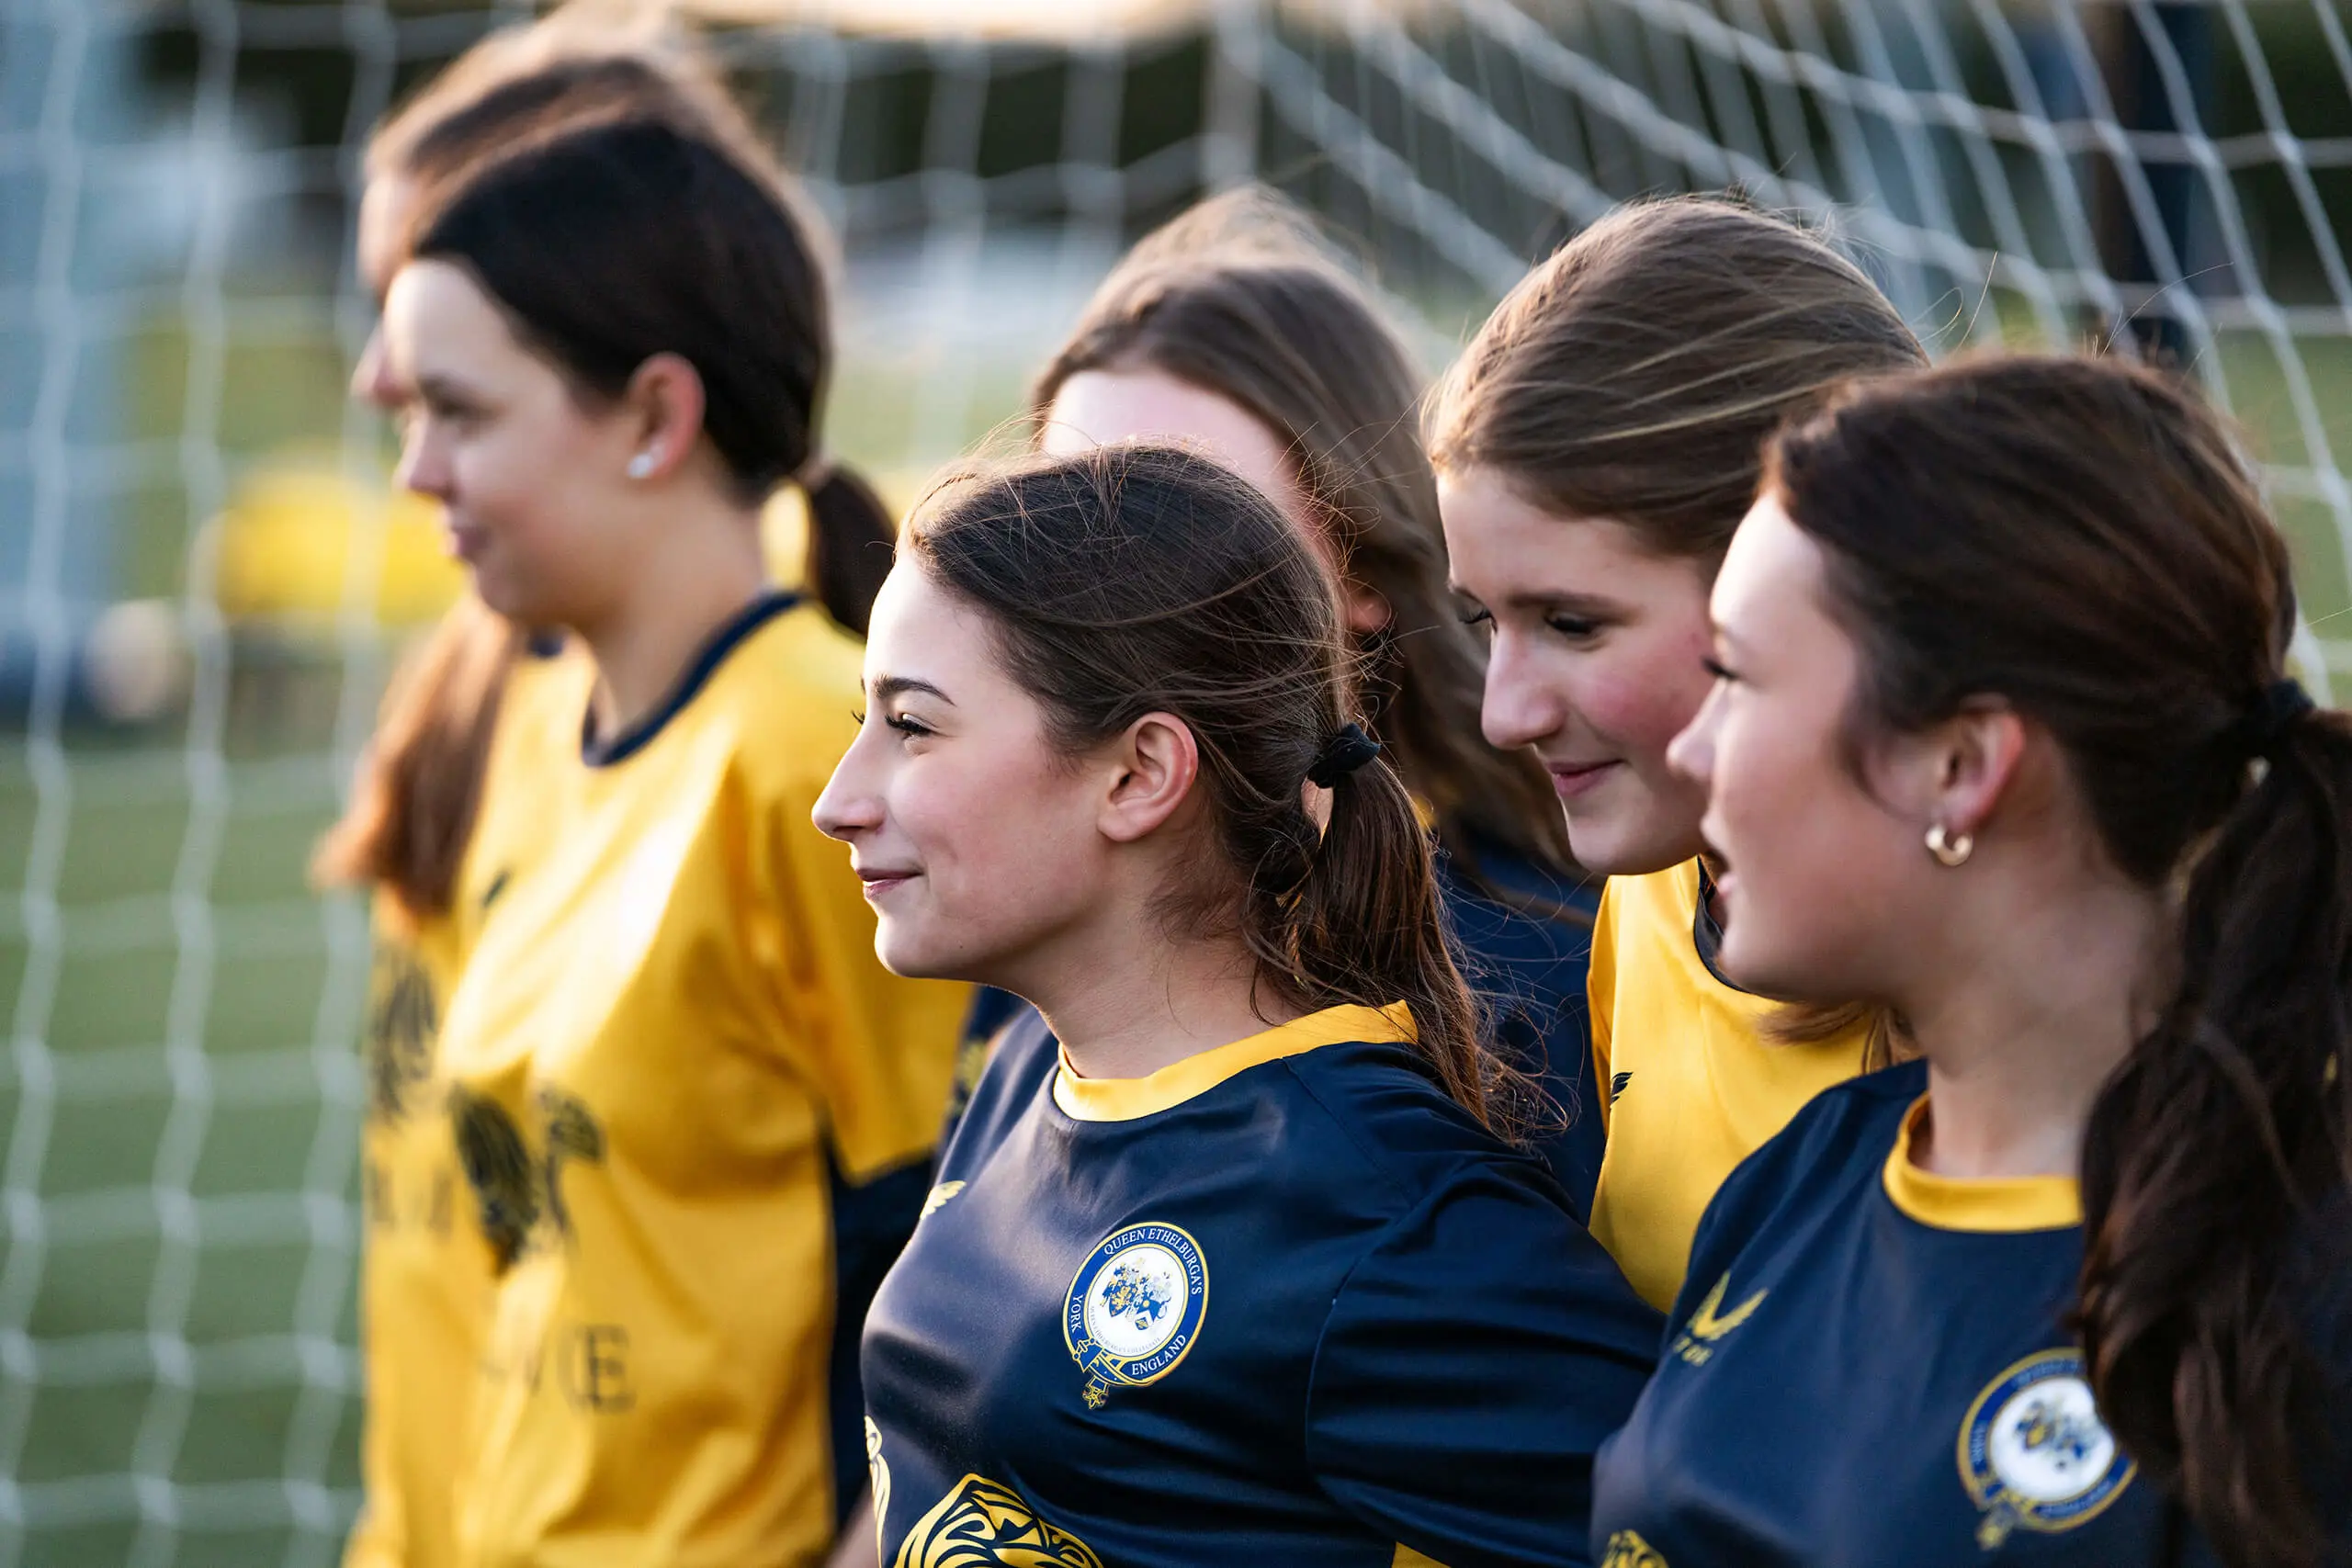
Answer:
(204, 575)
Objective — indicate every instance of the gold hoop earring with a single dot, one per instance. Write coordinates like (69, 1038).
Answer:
(1949, 850)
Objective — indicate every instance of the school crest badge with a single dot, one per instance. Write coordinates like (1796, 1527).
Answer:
(2033, 1453)
(1134, 1309)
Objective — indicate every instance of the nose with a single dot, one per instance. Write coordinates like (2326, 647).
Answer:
(850, 804)
(424, 464)
(1692, 752)
(371, 381)
(1520, 708)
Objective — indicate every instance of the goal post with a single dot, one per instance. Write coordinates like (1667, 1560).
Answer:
(205, 574)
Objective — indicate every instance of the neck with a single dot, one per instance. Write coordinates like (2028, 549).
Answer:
(1129, 1006)
(707, 567)
(2022, 1028)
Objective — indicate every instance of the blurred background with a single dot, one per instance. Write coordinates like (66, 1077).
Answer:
(204, 574)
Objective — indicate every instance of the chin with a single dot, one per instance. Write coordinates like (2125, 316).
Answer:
(1609, 845)
(905, 953)
(1782, 976)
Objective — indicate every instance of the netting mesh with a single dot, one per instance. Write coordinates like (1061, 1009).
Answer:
(204, 576)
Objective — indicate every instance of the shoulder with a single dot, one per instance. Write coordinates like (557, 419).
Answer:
(1643, 927)
(1656, 899)
(798, 652)
(787, 699)
(1840, 1139)
(1379, 1102)
(1854, 1121)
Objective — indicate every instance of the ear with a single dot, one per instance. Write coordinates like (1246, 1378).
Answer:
(1153, 766)
(664, 405)
(1967, 764)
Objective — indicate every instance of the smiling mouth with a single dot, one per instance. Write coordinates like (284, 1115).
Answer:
(1570, 779)
(878, 883)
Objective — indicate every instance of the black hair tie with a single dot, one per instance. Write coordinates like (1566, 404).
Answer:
(2283, 704)
(1342, 754)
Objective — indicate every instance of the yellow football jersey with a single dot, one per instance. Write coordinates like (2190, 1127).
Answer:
(676, 1065)
(426, 1273)
(1689, 1087)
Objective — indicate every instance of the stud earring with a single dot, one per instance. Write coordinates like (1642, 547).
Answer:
(641, 466)
(1949, 850)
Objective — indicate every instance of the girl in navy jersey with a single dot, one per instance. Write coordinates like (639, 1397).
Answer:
(1236, 327)
(2002, 740)
(1224, 1263)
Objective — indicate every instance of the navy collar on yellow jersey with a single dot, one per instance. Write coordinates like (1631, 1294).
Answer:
(1994, 1204)
(772, 602)
(1707, 932)
(1125, 1100)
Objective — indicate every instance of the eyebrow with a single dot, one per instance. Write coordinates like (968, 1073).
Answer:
(445, 388)
(1587, 604)
(900, 685)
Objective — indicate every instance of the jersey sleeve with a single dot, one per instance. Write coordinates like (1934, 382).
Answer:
(1472, 1363)
(1600, 993)
(879, 1049)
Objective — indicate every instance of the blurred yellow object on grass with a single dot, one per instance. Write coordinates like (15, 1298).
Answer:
(304, 539)
(304, 542)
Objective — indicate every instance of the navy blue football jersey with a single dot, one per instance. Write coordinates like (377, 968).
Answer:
(1524, 938)
(1869, 1364)
(1281, 1302)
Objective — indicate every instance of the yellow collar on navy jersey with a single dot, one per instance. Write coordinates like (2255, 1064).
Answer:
(1123, 1099)
(1977, 1203)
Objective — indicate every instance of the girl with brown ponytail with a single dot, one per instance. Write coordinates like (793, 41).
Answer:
(1224, 1263)
(1239, 328)
(2002, 740)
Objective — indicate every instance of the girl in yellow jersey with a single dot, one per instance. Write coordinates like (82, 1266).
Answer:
(691, 1110)
(463, 730)
(1596, 446)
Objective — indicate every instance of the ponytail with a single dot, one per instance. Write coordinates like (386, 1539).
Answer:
(419, 789)
(1364, 925)
(2216, 1155)
(851, 541)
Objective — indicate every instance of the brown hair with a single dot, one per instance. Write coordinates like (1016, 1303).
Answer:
(1136, 579)
(416, 800)
(479, 114)
(1636, 374)
(1242, 298)
(419, 790)
(2081, 539)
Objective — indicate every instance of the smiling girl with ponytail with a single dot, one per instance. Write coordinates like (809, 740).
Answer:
(1262, 1285)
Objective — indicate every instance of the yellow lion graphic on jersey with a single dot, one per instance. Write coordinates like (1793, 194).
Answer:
(984, 1525)
(1628, 1550)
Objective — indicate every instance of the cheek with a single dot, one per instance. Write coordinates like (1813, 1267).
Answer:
(1642, 692)
(1817, 861)
(541, 487)
(995, 829)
